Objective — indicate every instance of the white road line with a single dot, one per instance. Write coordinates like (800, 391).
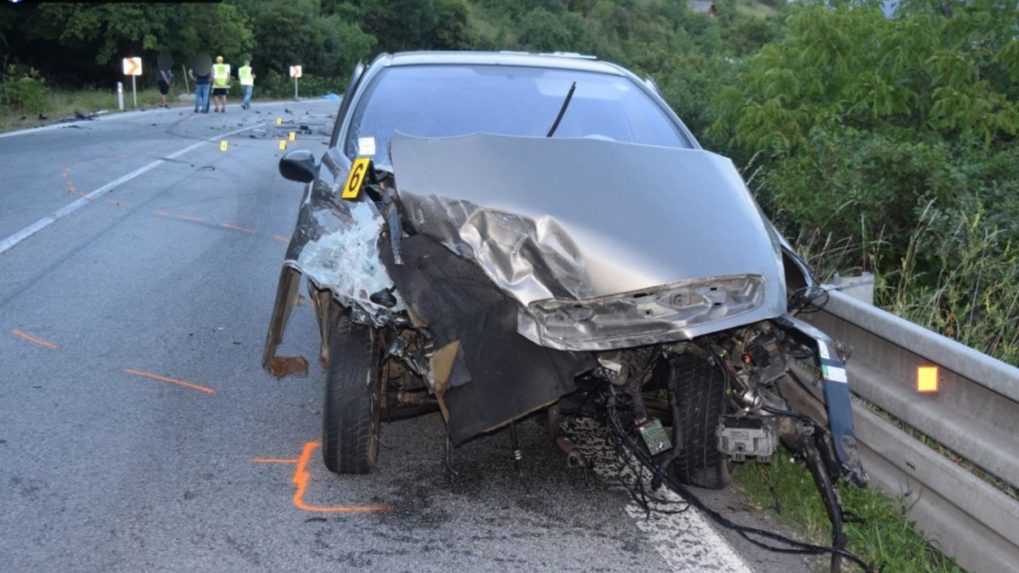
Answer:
(686, 541)
(11, 241)
(25, 233)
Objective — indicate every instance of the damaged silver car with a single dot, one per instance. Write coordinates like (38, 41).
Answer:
(505, 235)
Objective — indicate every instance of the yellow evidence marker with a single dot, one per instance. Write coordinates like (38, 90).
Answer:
(292, 136)
(279, 121)
(355, 179)
(283, 145)
(224, 145)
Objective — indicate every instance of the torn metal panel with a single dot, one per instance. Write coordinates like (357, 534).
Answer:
(678, 311)
(336, 245)
(286, 299)
(575, 220)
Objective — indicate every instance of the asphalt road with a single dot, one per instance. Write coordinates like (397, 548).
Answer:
(138, 265)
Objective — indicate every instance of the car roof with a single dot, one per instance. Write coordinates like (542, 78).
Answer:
(561, 60)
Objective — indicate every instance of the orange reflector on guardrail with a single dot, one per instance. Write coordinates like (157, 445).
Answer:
(927, 379)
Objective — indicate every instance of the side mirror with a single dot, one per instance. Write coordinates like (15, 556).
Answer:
(298, 165)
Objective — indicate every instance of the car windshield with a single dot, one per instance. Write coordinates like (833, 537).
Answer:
(449, 100)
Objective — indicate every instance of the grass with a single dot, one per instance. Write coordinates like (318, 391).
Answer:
(62, 104)
(957, 276)
(969, 292)
(884, 536)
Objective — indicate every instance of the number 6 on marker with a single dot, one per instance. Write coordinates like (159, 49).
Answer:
(355, 179)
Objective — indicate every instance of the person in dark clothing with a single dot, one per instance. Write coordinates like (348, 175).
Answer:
(203, 84)
(165, 79)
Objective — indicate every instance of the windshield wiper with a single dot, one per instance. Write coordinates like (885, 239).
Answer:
(562, 110)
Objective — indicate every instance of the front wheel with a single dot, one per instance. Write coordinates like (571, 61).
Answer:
(351, 415)
(698, 394)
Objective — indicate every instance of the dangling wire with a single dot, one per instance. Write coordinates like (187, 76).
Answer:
(625, 441)
(631, 475)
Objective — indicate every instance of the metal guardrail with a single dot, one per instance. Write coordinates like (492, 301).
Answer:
(975, 413)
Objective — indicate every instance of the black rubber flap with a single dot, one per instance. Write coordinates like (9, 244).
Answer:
(506, 375)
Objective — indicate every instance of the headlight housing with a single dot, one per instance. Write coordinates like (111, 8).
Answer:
(649, 316)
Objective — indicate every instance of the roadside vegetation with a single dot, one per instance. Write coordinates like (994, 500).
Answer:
(34, 103)
(878, 143)
(876, 531)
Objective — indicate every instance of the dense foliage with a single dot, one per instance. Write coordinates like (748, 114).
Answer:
(896, 135)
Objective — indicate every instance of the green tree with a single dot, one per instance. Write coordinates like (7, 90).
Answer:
(400, 25)
(219, 29)
(83, 43)
(862, 120)
(853, 66)
(293, 32)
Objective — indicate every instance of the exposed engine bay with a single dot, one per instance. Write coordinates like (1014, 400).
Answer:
(507, 277)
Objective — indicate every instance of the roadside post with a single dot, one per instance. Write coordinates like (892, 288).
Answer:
(133, 68)
(120, 96)
(295, 72)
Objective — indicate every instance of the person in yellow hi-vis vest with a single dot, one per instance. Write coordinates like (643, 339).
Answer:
(247, 82)
(220, 83)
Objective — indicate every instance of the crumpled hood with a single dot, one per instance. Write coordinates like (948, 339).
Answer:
(582, 218)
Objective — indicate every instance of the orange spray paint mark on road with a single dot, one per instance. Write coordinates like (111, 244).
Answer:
(162, 213)
(301, 479)
(237, 228)
(71, 188)
(34, 339)
(70, 185)
(201, 221)
(167, 379)
(280, 238)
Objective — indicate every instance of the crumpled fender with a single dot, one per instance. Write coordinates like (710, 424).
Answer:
(335, 245)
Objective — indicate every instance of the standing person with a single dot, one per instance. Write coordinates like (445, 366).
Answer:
(165, 79)
(247, 80)
(220, 84)
(201, 90)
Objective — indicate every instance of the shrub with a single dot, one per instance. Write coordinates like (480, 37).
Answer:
(24, 90)
(861, 185)
(277, 85)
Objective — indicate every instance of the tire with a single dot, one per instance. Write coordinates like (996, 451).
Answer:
(351, 415)
(699, 395)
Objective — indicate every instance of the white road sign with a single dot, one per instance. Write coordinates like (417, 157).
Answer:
(132, 66)
(295, 71)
